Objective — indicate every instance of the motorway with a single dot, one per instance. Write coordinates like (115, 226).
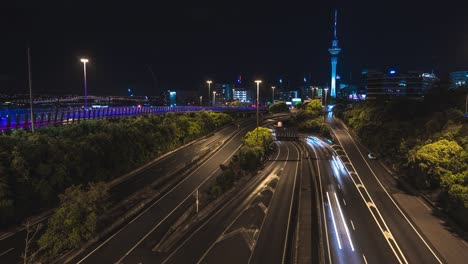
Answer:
(249, 225)
(133, 242)
(12, 244)
(350, 233)
(395, 229)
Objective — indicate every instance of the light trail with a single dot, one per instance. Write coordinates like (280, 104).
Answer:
(333, 218)
(344, 222)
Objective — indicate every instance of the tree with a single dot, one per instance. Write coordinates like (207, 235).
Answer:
(75, 221)
(279, 107)
(436, 159)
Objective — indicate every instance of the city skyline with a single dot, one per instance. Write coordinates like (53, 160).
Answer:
(170, 48)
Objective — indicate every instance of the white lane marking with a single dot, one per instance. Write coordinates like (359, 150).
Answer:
(217, 212)
(344, 201)
(264, 218)
(291, 205)
(1, 254)
(386, 234)
(177, 207)
(156, 202)
(393, 201)
(344, 222)
(424, 204)
(364, 257)
(6, 235)
(352, 224)
(323, 203)
(339, 186)
(9, 234)
(334, 224)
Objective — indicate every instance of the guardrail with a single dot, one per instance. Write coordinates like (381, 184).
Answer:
(21, 119)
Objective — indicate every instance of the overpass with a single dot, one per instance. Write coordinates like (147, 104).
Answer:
(20, 118)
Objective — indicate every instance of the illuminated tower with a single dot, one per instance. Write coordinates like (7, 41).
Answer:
(334, 51)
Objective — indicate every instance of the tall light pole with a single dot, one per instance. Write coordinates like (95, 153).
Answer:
(258, 104)
(273, 94)
(214, 97)
(201, 97)
(325, 108)
(209, 90)
(30, 92)
(84, 61)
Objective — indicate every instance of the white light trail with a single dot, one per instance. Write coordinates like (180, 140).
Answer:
(334, 224)
(344, 222)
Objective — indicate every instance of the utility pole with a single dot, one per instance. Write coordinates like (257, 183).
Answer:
(197, 201)
(30, 91)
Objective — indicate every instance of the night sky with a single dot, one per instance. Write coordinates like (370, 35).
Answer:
(183, 46)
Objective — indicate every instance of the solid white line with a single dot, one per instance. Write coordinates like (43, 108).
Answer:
(157, 201)
(323, 203)
(177, 207)
(387, 234)
(424, 204)
(217, 212)
(264, 218)
(364, 257)
(1, 254)
(6, 235)
(352, 224)
(344, 222)
(344, 201)
(334, 224)
(396, 205)
(291, 205)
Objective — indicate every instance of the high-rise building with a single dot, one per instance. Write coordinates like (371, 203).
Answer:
(241, 94)
(412, 84)
(169, 98)
(334, 51)
(458, 79)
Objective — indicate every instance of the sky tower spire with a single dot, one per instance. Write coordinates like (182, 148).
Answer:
(334, 51)
(334, 28)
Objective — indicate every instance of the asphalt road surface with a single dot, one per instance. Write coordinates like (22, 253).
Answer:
(252, 223)
(406, 242)
(133, 242)
(12, 244)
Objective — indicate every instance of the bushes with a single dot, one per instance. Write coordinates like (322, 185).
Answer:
(279, 107)
(247, 160)
(75, 221)
(428, 140)
(35, 168)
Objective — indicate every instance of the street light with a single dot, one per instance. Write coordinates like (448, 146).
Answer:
(326, 89)
(258, 104)
(201, 97)
(273, 94)
(84, 61)
(214, 96)
(209, 89)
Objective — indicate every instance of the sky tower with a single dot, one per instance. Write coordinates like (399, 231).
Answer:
(334, 51)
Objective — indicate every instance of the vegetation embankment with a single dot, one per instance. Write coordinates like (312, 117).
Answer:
(279, 107)
(248, 159)
(427, 142)
(309, 119)
(35, 168)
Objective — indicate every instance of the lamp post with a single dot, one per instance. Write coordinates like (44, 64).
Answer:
(257, 104)
(30, 92)
(84, 61)
(273, 94)
(214, 97)
(209, 89)
(325, 102)
(201, 97)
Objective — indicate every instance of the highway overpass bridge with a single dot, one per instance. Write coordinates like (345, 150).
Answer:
(21, 118)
